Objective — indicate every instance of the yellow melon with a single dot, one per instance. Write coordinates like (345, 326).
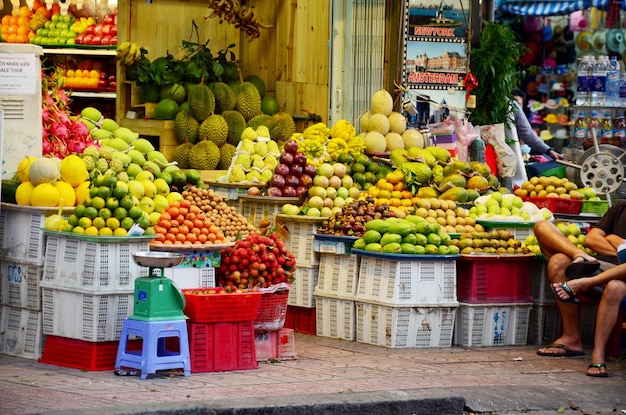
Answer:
(82, 191)
(73, 170)
(23, 168)
(23, 192)
(45, 194)
(67, 194)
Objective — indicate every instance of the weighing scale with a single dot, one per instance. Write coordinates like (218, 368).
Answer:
(156, 296)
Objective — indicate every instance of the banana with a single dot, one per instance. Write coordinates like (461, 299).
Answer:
(123, 49)
(130, 56)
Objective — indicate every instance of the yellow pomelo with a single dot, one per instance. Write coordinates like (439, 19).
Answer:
(45, 194)
(24, 167)
(73, 170)
(82, 191)
(67, 192)
(23, 192)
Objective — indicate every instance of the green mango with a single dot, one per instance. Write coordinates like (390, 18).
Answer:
(375, 247)
(402, 227)
(389, 238)
(359, 244)
(410, 239)
(371, 236)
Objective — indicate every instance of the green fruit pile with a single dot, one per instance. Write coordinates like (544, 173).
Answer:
(490, 242)
(411, 235)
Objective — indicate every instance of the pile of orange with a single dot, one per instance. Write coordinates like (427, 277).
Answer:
(85, 75)
(15, 26)
(184, 223)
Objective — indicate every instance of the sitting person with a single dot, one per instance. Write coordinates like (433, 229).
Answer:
(614, 282)
(566, 261)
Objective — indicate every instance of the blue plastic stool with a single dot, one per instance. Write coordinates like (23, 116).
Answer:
(154, 354)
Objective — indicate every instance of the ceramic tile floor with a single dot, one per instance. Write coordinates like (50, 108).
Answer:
(323, 366)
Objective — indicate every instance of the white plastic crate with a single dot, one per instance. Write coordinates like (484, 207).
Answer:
(191, 277)
(300, 238)
(335, 317)
(338, 275)
(20, 332)
(301, 290)
(85, 263)
(19, 284)
(83, 315)
(492, 324)
(401, 327)
(21, 234)
(331, 247)
(410, 282)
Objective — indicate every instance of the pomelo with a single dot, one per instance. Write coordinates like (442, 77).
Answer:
(166, 109)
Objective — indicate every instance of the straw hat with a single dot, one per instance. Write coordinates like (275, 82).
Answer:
(561, 133)
(563, 119)
(583, 40)
(535, 106)
(531, 89)
(551, 105)
(598, 40)
(546, 135)
(615, 40)
(551, 118)
(536, 119)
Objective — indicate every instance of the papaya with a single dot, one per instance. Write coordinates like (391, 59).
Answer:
(374, 247)
(359, 244)
(414, 219)
(389, 238)
(392, 248)
(481, 168)
(410, 239)
(408, 248)
(472, 194)
(457, 194)
(478, 182)
(371, 236)
(427, 192)
(379, 225)
(402, 227)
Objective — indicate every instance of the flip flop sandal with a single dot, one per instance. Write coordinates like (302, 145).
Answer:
(581, 269)
(567, 351)
(600, 373)
(572, 297)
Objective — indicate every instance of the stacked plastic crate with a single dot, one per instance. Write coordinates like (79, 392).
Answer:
(494, 300)
(21, 270)
(545, 318)
(221, 329)
(336, 287)
(87, 291)
(406, 300)
(300, 232)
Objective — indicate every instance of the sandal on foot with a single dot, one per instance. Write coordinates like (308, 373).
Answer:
(572, 297)
(567, 352)
(601, 373)
(581, 269)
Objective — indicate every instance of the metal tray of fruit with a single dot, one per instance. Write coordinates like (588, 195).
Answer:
(335, 238)
(159, 247)
(404, 257)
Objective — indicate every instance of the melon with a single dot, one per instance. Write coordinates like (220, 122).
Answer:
(382, 102)
(394, 141)
(397, 122)
(413, 138)
(45, 194)
(364, 121)
(67, 195)
(378, 122)
(374, 142)
(43, 170)
(23, 168)
(23, 192)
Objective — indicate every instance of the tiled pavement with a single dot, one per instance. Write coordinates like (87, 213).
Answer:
(499, 380)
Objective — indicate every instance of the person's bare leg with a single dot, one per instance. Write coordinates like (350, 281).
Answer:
(580, 285)
(569, 312)
(553, 242)
(606, 316)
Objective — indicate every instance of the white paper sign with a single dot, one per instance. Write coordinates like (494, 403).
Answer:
(17, 73)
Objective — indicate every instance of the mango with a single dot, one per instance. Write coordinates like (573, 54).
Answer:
(402, 227)
(408, 248)
(371, 236)
(457, 194)
(359, 244)
(374, 247)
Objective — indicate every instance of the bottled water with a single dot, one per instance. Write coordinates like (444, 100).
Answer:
(582, 90)
(580, 131)
(598, 88)
(622, 91)
(613, 82)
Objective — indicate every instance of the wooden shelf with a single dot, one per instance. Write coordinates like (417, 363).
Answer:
(80, 52)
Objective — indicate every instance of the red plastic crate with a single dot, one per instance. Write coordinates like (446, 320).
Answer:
(494, 279)
(219, 307)
(82, 354)
(272, 311)
(556, 204)
(301, 319)
(217, 347)
(275, 345)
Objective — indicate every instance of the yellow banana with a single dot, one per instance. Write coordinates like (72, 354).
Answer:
(130, 57)
(123, 49)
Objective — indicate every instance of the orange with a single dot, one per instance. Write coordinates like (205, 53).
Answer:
(24, 11)
(23, 21)
(21, 39)
(12, 38)
(70, 73)
(94, 74)
(6, 20)
(13, 20)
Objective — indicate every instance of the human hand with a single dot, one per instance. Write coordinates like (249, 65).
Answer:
(555, 154)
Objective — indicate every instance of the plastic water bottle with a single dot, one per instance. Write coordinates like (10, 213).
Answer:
(582, 89)
(606, 129)
(619, 131)
(580, 131)
(622, 91)
(598, 89)
(613, 82)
